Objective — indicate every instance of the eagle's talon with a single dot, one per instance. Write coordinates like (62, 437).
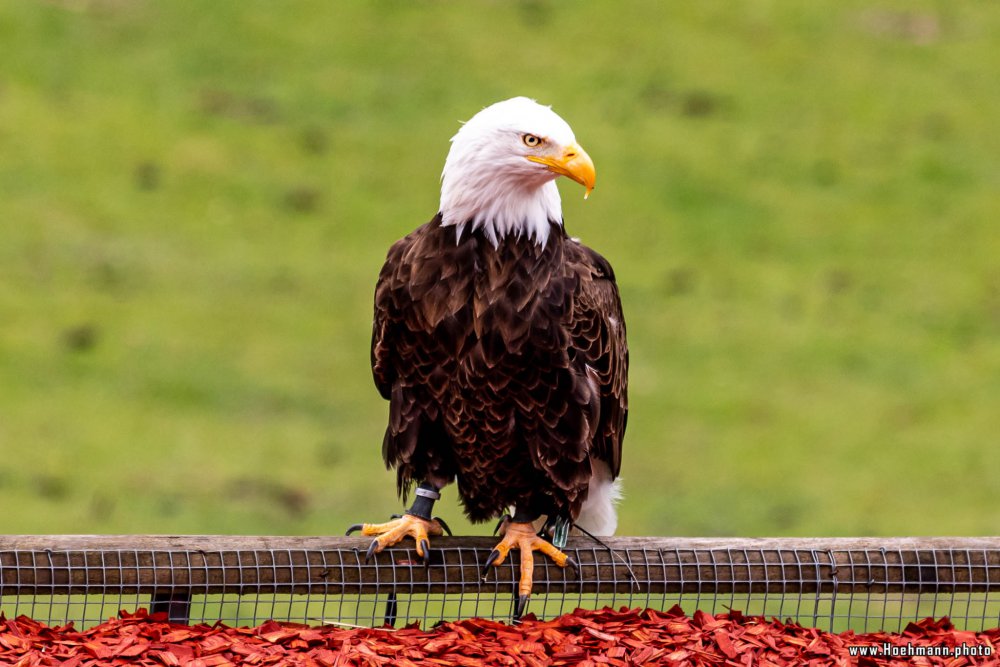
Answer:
(444, 526)
(521, 535)
(522, 606)
(573, 564)
(490, 560)
(425, 547)
(395, 531)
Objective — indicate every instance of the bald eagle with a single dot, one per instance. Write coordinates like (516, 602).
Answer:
(499, 343)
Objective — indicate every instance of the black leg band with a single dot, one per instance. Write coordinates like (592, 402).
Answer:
(423, 503)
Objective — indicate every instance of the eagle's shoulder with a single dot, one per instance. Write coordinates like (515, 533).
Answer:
(589, 259)
(400, 271)
(422, 242)
(420, 289)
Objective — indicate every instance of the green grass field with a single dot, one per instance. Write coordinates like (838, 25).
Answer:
(801, 201)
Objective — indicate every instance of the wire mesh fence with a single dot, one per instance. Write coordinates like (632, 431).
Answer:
(833, 584)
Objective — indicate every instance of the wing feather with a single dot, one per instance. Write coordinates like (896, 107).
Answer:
(598, 332)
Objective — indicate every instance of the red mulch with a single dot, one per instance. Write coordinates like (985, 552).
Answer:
(582, 639)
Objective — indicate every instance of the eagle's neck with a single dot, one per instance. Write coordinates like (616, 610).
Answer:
(500, 207)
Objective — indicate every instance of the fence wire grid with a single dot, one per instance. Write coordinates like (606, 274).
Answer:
(836, 584)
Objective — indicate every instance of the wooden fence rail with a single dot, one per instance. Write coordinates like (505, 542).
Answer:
(163, 565)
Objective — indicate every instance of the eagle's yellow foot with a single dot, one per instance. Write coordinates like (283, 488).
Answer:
(393, 532)
(522, 536)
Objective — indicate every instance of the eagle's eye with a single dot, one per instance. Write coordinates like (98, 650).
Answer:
(531, 140)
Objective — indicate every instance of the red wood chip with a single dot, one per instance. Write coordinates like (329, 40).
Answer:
(584, 638)
(724, 643)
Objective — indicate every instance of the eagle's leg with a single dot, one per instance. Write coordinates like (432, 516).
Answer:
(416, 522)
(556, 530)
(520, 533)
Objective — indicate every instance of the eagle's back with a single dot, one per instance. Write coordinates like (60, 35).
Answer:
(504, 367)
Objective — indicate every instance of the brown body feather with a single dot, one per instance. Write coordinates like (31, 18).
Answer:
(505, 368)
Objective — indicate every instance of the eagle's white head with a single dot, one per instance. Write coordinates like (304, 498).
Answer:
(500, 172)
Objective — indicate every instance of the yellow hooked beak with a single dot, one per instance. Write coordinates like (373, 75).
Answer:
(574, 162)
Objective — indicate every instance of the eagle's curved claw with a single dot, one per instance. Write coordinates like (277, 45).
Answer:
(425, 546)
(522, 606)
(444, 526)
(573, 564)
(354, 527)
(492, 558)
(372, 550)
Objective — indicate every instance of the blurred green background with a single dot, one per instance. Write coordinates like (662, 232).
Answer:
(800, 201)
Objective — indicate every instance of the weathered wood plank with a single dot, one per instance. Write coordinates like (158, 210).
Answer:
(256, 542)
(159, 565)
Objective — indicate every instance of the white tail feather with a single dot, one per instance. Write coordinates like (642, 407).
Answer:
(598, 515)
